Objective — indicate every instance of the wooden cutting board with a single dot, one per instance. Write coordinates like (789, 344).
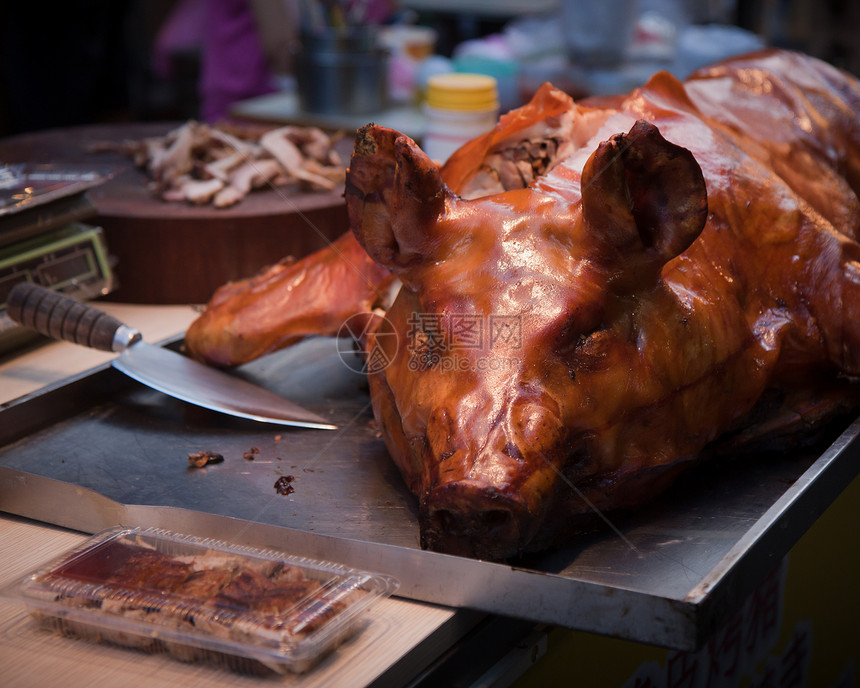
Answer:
(174, 252)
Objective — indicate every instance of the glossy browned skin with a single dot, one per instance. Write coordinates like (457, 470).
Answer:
(661, 281)
(286, 303)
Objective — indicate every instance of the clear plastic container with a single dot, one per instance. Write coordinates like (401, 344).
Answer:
(459, 108)
(249, 610)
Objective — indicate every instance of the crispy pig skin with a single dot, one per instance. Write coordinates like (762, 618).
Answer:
(287, 302)
(700, 250)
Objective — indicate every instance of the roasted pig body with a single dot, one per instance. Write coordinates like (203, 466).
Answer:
(592, 295)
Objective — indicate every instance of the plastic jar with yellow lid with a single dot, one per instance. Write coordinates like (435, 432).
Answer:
(459, 107)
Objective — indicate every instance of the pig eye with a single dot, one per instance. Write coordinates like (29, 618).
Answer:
(575, 334)
(590, 353)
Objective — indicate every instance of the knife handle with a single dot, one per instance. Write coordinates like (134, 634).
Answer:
(59, 316)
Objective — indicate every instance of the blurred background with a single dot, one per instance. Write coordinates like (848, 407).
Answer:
(101, 61)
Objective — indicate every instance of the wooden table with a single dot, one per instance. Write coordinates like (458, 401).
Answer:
(401, 639)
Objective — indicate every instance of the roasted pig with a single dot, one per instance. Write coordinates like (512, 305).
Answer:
(593, 295)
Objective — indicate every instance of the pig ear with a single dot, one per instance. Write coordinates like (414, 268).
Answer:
(644, 201)
(394, 198)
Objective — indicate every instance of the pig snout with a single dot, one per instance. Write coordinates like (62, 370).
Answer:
(486, 499)
(471, 518)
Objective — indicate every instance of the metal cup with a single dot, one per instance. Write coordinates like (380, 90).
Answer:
(341, 71)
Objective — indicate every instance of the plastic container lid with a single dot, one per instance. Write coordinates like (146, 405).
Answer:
(246, 609)
(460, 91)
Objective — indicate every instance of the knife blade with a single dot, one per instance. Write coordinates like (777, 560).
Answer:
(59, 316)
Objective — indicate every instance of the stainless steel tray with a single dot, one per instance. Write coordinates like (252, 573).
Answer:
(99, 450)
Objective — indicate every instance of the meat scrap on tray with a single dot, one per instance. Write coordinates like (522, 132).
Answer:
(591, 295)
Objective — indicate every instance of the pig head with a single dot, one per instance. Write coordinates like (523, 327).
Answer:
(565, 349)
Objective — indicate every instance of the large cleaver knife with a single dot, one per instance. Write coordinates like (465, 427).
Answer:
(62, 317)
